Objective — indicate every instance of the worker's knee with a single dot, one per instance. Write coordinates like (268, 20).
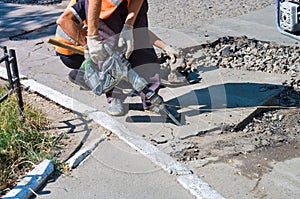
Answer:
(71, 61)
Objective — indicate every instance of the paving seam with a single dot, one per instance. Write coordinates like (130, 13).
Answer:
(185, 176)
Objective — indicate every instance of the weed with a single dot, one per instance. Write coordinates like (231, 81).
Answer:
(22, 142)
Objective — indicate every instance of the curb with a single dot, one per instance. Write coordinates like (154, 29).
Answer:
(159, 158)
(32, 181)
(186, 178)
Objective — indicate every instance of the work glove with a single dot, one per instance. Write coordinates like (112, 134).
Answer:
(96, 50)
(172, 53)
(126, 37)
(86, 53)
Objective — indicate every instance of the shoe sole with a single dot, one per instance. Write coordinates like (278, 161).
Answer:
(114, 113)
(74, 82)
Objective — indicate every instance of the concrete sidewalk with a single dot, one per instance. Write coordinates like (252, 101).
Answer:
(115, 170)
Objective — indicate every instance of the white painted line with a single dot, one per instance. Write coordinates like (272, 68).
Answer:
(198, 187)
(150, 151)
(82, 155)
(32, 181)
(57, 97)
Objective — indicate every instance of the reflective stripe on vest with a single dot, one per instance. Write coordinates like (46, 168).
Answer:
(116, 2)
(71, 3)
(62, 37)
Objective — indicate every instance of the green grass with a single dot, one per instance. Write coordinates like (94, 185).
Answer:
(22, 143)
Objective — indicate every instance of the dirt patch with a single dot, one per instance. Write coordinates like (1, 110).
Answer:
(74, 129)
(256, 164)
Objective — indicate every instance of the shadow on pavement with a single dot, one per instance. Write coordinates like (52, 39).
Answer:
(217, 97)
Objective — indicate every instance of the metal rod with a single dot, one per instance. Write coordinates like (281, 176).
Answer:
(14, 66)
(3, 58)
(5, 96)
(8, 70)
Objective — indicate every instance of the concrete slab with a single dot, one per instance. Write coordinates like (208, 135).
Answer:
(219, 89)
(90, 142)
(288, 172)
(254, 175)
(115, 170)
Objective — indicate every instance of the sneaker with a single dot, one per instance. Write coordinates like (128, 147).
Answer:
(128, 91)
(115, 107)
(76, 76)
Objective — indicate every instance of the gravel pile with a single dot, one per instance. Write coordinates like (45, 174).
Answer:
(250, 54)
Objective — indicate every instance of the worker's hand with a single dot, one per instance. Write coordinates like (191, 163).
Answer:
(172, 53)
(126, 37)
(96, 49)
(86, 52)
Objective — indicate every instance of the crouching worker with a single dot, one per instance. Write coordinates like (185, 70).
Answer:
(70, 30)
(70, 22)
(123, 24)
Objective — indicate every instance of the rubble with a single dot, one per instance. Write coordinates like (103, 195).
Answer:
(274, 126)
(253, 55)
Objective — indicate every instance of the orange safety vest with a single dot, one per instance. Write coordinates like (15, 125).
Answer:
(64, 40)
(109, 6)
(61, 36)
